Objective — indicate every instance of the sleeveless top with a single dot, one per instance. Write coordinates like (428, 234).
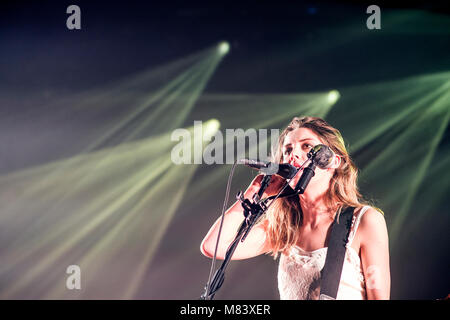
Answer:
(299, 271)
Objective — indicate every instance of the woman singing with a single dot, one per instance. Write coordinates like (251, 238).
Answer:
(298, 228)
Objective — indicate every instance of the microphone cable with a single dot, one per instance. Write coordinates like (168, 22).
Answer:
(227, 196)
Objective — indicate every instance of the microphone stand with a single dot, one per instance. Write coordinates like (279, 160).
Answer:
(307, 175)
(252, 212)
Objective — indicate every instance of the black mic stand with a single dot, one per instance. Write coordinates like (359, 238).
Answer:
(307, 175)
(252, 212)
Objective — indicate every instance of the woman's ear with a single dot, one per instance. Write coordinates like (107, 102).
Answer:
(336, 161)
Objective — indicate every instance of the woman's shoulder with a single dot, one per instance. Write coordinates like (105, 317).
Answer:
(365, 220)
(372, 224)
(369, 215)
(367, 210)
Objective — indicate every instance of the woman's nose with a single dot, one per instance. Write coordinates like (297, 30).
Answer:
(293, 158)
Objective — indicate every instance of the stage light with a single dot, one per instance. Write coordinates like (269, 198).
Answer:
(223, 47)
(333, 96)
(210, 128)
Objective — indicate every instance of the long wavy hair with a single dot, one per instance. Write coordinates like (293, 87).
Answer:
(285, 216)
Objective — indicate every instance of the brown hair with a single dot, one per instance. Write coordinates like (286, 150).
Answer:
(285, 216)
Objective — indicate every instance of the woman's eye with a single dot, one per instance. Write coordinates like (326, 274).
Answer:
(307, 146)
(287, 151)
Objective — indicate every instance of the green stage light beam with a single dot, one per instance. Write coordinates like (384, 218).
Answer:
(383, 159)
(194, 88)
(433, 190)
(199, 80)
(420, 175)
(78, 167)
(148, 82)
(260, 110)
(319, 106)
(157, 219)
(399, 103)
(206, 66)
(208, 57)
(415, 22)
(390, 122)
(419, 141)
(30, 234)
(97, 217)
(102, 254)
(111, 200)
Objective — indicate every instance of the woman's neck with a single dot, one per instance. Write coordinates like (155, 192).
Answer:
(315, 209)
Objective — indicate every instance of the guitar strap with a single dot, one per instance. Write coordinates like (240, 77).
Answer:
(331, 272)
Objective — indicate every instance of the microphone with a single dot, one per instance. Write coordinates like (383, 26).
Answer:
(322, 156)
(284, 170)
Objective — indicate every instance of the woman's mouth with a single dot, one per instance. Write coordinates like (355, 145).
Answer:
(295, 164)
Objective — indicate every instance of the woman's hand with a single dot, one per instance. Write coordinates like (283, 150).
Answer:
(275, 185)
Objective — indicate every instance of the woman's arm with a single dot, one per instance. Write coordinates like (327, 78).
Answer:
(375, 255)
(256, 242)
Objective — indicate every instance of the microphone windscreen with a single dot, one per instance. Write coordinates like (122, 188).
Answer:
(324, 157)
(284, 170)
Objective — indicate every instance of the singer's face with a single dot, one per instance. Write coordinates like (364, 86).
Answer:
(296, 146)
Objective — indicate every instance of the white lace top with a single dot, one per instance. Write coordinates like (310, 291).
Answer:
(299, 271)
